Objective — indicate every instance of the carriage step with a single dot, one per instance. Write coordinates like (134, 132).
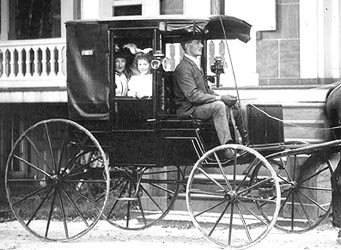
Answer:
(127, 199)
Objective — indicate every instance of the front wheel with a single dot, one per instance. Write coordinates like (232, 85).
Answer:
(230, 215)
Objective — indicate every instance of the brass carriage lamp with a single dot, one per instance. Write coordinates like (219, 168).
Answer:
(157, 59)
(218, 68)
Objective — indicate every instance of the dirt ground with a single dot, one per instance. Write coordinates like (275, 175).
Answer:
(166, 236)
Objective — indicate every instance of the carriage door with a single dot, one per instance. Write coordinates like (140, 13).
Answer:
(131, 111)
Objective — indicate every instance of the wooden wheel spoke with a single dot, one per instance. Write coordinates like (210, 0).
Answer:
(254, 186)
(129, 205)
(151, 198)
(219, 219)
(62, 148)
(285, 201)
(39, 206)
(292, 209)
(286, 170)
(247, 231)
(315, 174)
(283, 179)
(256, 199)
(50, 213)
(210, 193)
(48, 137)
(222, 171)
(247, 173)
(80, 168)
(231, 225)
(142, 211)
(75, 207)
(254, 214)
(210, 178)
(313, 201)
(81, 195)
(209, 209)
(117, 200)
(317, 188)
(304, 210)
(61, 205)
(71, 162)
(32, 165)
(162, 188)
(29, 195)
(38, 153)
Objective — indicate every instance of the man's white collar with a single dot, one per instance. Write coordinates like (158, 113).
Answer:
(196, 60)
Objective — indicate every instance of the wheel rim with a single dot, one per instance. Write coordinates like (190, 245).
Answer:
(305, 190)
(141, 196)
(49, 197)
(229, 216)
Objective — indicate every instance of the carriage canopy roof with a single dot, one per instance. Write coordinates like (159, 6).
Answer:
(212, 27)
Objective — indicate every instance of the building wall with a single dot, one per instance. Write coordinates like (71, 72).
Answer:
(278, 51)
(305, 47)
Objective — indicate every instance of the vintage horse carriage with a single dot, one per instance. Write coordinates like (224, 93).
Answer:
(127, 160)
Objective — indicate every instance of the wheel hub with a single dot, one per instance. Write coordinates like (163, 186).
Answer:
(231, 196)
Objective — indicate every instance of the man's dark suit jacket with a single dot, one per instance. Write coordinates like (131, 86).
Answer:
(190, 87)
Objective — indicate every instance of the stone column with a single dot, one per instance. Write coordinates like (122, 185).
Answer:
(67, 14)
(320, 36)
(4, 20)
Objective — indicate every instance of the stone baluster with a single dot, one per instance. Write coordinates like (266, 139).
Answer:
(6, 63)
(36, 62)
(20, 63)
(43, 70)
(27, 63)
(60, 61)
(2, 68)
(53, 62)
(11, 73)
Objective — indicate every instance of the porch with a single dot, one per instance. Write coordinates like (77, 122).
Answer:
(34, 71)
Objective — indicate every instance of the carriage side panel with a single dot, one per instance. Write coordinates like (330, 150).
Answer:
(87, 67)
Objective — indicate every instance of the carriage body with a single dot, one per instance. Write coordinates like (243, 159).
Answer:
(133, 130)
(124, 159)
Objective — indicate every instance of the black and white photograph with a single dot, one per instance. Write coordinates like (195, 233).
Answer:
(170, 124)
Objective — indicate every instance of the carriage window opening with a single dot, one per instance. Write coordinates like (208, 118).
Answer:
(133, 74)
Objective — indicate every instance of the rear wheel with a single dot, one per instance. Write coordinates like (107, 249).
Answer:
(305, 181)
(46, 172)
(230, 217)
(141, 196)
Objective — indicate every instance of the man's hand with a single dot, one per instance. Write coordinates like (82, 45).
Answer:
(229, 100)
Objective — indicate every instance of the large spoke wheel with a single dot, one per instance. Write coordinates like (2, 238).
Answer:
(46, 172)
(141, 196)
(305, 181)
(222, 197)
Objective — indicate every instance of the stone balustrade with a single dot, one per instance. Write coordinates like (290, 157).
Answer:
(33, 63)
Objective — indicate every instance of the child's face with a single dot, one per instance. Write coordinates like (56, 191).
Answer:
(143, 66)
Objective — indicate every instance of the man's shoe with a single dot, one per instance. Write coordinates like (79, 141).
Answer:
(228, 153)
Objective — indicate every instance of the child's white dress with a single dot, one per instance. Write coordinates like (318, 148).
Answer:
(140, 86)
